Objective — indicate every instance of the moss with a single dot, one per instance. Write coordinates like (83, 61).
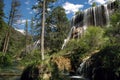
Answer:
(104, 64)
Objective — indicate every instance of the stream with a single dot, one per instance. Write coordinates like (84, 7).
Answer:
(9, 77)
(10, 73)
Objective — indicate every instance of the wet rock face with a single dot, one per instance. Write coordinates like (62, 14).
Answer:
(94, 16)
(103, 74)
(104, 65)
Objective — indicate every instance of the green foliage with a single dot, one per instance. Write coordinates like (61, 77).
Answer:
(78, 46)
(30, 58)
(94, 37)
(16, 43)
(112, 56)
(115, 18)
(113, 31)
(57, 23)
(78, 12)
(5, 60)
(107, 60)
(94, 4)
(1, 11)
(14, 13)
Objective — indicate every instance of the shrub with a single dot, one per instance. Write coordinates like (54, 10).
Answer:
(113, 31)
(94, 37)
(5, 60)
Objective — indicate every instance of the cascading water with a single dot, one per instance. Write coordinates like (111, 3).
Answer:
(80, 71)
(107, 13)
(70, 33)
(94, 16)
(31, 47)
(68, 38)
(35, 44)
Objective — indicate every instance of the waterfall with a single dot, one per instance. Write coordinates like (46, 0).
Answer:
(81, 70)
(68, 38)
(85, 20)
(30, 47)
(94, 16)
(107, 13)
(35, 44)
(70, 33)
(82, 66)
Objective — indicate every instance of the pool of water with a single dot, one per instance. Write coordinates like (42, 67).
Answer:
(9, 77)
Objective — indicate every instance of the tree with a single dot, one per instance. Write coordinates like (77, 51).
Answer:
(26, 35)
(57, 28)
(42, 7)
(78, 12)
(13, 16)
(32, 28)
(42, 35)
(113, 31)
(94, 37)
(1, 12)
(94, 4)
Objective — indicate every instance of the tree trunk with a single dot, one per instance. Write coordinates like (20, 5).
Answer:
(42, 35)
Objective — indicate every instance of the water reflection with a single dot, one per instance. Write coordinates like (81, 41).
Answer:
(9, 77)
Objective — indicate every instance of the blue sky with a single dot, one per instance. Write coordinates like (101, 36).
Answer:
(70, 6)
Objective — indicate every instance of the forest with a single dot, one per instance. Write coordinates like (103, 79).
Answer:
(53, 46)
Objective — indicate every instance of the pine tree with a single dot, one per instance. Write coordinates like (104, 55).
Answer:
(13, 16)
(57, 29)
(43, 30)
(32, 28)
(26, 35)
(1, 12)
(94, 4)
(42, 7)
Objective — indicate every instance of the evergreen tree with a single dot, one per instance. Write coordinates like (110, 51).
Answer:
(57, 29)
(13, 17)
(26, 35)
(78, 12)
(42, 7)
(32, 28)
(1, 12)
(94, 4)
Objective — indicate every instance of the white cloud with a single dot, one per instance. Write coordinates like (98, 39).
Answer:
(97, 1)
(36, 3)
(72, 8)
(35, 10)
(22, 22)
(30, 12)
(28, 8)
(20, 30)
(27, 2)
(48, 9)
(86, 3)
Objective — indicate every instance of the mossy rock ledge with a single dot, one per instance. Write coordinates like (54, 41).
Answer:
(104, 65)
